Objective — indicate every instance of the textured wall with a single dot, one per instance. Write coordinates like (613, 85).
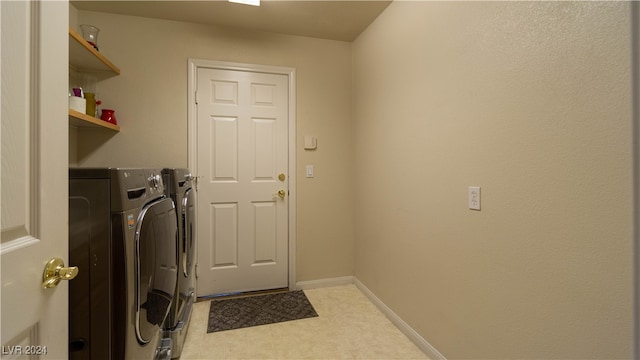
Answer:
(530, 101)
(150, 98)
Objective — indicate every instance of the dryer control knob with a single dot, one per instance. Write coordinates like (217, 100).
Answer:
(155, 181)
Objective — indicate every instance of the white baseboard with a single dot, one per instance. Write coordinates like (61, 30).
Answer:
(314, 284)
(420, 342)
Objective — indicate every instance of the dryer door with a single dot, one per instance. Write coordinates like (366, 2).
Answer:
(156, 266)
(188, 226)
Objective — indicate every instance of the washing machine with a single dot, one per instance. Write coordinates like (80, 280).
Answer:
(123, 237)
(179, 187)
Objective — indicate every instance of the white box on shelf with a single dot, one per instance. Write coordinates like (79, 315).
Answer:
(78, 104)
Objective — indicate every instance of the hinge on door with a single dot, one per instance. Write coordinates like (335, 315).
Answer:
(196, 271)
(196, 97)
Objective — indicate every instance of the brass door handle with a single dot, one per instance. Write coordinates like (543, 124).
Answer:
(281, 193)
(55, 271)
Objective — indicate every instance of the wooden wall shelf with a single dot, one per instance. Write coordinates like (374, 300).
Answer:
(83, 120)
(85, 58)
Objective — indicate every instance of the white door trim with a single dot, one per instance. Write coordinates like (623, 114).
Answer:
(192, 136)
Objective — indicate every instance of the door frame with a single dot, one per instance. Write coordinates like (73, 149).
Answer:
(635, 93)
(192, 136)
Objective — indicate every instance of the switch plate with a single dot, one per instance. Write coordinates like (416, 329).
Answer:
(309, 171)
(474, 198)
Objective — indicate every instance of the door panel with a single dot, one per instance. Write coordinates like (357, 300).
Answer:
(265, 234)
(242, 140)
(224, 149)
(224, 240)
(264, 150)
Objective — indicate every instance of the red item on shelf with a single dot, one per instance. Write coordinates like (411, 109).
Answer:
(109, 116)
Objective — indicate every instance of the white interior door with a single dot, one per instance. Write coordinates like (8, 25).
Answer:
(34, 176)
(242, 164)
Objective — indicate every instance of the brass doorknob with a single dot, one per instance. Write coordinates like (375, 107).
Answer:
(55, 271)
(281, 193)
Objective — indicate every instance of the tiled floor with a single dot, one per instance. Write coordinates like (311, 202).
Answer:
(349, 326)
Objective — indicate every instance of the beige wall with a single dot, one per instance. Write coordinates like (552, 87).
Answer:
(530, 101)
(150, 99)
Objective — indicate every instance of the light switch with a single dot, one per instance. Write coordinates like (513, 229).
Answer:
(309, 171)
(474, 198)
(310, 143)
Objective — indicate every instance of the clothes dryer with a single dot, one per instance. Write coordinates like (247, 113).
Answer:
(123, 237)
(179, 187)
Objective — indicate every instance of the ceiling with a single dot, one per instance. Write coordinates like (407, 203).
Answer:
(335, 20)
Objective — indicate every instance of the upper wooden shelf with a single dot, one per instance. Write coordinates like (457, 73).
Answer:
(85, 58)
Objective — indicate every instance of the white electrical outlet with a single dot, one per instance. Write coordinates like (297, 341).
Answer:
(474, 197)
